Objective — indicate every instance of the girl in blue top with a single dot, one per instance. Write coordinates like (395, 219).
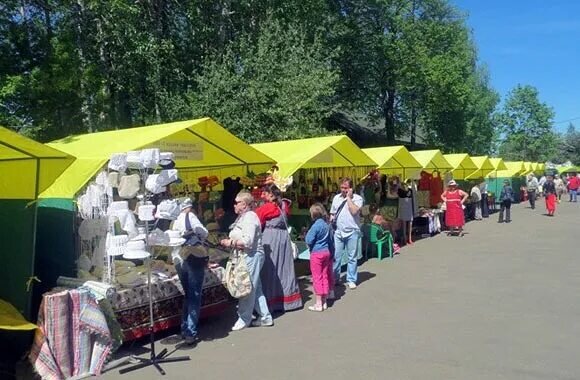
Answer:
(318, 238)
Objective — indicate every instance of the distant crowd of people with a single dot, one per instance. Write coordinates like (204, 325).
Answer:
(552, 188)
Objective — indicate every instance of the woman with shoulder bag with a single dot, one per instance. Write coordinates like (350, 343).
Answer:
(246, 237)
(190, 266)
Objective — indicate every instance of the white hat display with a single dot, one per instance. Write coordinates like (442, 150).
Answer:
(165, 158)
(186, 203)
(118, 205)
(150, 158)
(134, 160)
(168, 209)
(158, 237)
(167, 176)
(116, 244)
(118, 162)
(146, 212)
(91, 228)
(136, 250)
(152, 184)
(141, 235)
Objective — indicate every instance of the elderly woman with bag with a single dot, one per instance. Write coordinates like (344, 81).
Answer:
(246, 238)
(278, 276)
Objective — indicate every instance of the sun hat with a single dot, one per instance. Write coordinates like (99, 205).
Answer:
(141, 235)
(158, 237)
(186, 203)
(146, 212)
(136, 250)
(452, 183)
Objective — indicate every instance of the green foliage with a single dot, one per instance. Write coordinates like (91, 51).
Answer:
(527, 127)
(568, 147)
(281, 83)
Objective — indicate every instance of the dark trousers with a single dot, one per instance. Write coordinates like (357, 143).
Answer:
(532, 198)
(191, 273)
(484, 205)
(505, 205)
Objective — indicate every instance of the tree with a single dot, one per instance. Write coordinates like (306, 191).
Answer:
(526, 124)
(280, 87)
(568, 146)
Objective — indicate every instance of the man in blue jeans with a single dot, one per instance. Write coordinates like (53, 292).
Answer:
(344, 214)
(190, 265)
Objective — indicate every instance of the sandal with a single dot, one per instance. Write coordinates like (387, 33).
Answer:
(315, 308)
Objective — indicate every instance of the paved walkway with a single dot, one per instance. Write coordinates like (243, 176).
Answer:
(503, 302)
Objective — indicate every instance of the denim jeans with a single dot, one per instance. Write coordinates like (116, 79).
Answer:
(532, 198)
(505, 206)
(256, 299)
(350, 243)
(573, 195)
(191, 273)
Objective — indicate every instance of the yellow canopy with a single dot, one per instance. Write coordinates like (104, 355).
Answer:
(197, 144)
(27, 167)
(462, 164)
(514, 169)
(11, 319)
(432, 160)
(317, 152)
(498, 164)
(540, 167)
(393, 159)
(529, 167)
(484, 167)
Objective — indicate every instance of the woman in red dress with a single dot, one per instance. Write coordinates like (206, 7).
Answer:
(454, 199)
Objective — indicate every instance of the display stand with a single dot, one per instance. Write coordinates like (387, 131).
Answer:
(155, 359)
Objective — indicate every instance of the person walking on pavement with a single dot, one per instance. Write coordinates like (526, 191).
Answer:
(532, 186)
(344, 216)
(573, 185)
(484, 199)
(560, 187)
(506, 198)
(550, 194)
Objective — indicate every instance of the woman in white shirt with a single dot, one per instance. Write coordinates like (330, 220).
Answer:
(246, 236)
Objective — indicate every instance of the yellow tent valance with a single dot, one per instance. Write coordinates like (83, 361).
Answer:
(484, 167)
(432, 160)
(198, 145)
(498, 164)
(27, 167)
(11, 319)
(315, 153)
(393, 159)
(514, 169)
(462, 164)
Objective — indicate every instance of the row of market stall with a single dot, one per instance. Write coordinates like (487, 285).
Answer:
(54, 175)
(51, 195)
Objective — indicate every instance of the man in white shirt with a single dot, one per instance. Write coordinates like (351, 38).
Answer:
(344, 214)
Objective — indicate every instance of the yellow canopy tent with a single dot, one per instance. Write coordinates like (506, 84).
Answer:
(498, 164)
(514, 169)
(540, 167)
(432, 160)
(393, 160)
(529, 168)
(27, 168)
(316, 153)
(462, 164)
(200, 146)
(484, 167)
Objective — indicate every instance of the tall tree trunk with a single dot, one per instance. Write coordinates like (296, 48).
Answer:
(389, 114)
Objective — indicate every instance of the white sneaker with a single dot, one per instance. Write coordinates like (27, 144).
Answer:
(239, 325)
(351, 285)
(261, 323)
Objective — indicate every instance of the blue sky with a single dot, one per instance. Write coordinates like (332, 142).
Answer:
(531, 42)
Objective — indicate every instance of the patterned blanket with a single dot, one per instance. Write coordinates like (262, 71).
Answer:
(73, 338)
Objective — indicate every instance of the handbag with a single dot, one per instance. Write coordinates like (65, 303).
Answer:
(237, 276)
(192, 245)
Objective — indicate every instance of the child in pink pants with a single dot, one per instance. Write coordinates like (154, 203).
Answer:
(318, 238)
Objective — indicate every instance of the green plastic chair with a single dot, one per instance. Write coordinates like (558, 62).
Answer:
(378, 236)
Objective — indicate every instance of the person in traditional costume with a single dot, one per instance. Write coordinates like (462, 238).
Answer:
(550, 194)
